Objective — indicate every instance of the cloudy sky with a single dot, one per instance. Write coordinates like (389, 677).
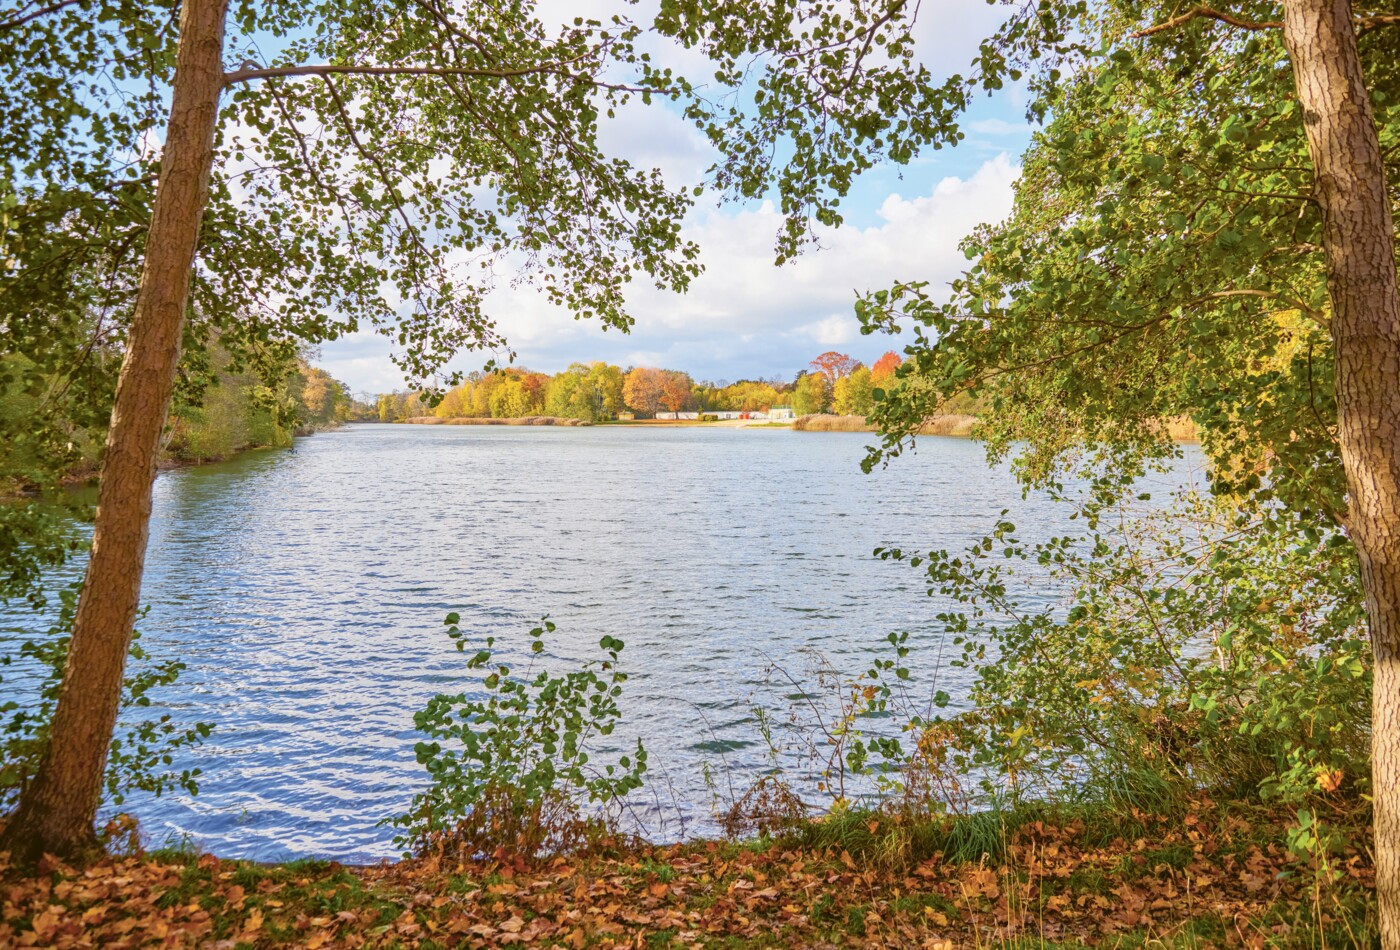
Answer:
(744, 317)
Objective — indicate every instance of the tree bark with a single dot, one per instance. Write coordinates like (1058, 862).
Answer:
(57, 812)
(1359, 240)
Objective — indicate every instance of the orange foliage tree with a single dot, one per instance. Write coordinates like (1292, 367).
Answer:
(643, 389)
(885, 366)
(676, 390)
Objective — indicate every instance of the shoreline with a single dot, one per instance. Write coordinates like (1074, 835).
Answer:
(88, 478)
(952, 425)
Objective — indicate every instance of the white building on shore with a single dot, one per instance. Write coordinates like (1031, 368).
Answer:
(783, 413)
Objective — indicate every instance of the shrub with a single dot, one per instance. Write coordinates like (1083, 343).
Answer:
(1200, 648)
(515, 771)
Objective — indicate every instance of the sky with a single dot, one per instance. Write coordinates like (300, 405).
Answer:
(746, 318)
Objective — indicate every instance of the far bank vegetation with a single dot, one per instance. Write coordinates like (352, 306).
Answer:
(833, 383)
(521, 421)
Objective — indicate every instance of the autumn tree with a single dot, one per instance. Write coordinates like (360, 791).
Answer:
(481, 392)
(510, 400)
(535, 386)
(323, 398)
(811, 394)
(455, 402)
(852, 394)
(564, 397)
(398, 406)
(883, 369)
(676, 393)
(833, 366)
(643, 390)
(744, 396)
(603, 386)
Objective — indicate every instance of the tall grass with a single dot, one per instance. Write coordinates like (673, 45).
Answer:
(951, 424)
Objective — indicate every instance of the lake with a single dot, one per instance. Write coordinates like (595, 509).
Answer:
(306, 591)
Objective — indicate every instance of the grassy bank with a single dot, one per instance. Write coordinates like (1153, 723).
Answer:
(1208, 877)
(958, 425)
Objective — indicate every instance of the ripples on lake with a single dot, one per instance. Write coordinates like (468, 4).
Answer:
(306, 590)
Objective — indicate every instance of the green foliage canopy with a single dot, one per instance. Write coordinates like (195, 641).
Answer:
(1163, 260)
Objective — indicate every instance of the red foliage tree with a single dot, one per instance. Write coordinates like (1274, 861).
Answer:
(535, 385)
(676, 390)
(834, 366)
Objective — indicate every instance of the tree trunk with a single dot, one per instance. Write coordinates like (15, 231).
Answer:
(1359, 239)
(56, 813)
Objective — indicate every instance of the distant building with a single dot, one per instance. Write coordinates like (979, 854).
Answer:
(781, 412)
(677, 415)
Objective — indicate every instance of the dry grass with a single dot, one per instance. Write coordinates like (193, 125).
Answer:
(1182, 429)
(825, 422)
(522, 421)
(951, 424)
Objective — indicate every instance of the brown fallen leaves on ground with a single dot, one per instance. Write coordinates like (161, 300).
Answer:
(1181, 887)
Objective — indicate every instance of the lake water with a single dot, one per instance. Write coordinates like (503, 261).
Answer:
(306, 591)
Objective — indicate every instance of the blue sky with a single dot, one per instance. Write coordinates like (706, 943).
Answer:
(746, 318)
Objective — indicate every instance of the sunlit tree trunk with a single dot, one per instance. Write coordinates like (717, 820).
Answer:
(56, 813)
(1361, 275)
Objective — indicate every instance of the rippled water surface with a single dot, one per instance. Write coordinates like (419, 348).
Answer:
(306, 590)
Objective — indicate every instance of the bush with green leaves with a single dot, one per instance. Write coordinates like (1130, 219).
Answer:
(143, 750)
(516, 768)
(1206, 647)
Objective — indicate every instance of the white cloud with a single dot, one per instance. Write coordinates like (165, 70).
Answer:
(833, 330)
(948, 32)
(743, 316)
(655, 137)
(999, 127)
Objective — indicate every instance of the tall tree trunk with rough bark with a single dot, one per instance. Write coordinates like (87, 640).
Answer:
(1359, 239)
(56, 813)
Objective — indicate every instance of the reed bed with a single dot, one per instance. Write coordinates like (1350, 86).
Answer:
(952, 424)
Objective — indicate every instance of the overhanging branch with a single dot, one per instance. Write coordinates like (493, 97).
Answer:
(245, 75)
(1207, 13)
(23, 18)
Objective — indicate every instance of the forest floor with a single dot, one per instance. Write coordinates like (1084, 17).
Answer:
(1208, 878)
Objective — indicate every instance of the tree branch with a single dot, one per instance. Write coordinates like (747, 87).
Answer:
(1369, 23)
(244, 75)
(1208, 14)
(35, 14)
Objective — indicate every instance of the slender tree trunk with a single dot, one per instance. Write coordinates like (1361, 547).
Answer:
(56, 813)
(1359, 237)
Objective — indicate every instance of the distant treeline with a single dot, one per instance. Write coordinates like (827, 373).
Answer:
(222, 406)
(596, 392)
